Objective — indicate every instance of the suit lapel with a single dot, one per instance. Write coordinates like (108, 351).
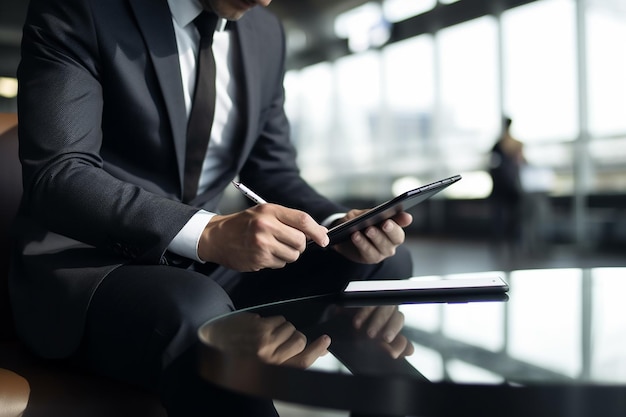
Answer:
(155, 23)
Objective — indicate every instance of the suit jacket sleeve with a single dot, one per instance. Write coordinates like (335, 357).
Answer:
(271, 167)
(66, 124)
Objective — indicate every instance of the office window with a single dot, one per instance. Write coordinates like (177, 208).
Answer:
(364, 27)
(606, 92)
(292, 102)
(469, 112)
(430, 106)
(310, 106)
(397, 10)
(540, 76)
(408, 95)
(606, 67)
(358, 140)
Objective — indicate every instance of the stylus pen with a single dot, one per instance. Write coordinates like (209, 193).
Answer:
(249, 193)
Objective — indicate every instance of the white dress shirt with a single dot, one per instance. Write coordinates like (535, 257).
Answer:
(220, 150)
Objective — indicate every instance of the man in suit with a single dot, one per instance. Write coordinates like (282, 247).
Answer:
(112, 265)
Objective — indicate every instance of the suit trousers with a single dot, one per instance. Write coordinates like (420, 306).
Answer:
(143, 319)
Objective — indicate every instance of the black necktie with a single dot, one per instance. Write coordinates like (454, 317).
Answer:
(203, 107)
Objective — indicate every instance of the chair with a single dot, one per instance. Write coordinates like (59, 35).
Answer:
(46, 388)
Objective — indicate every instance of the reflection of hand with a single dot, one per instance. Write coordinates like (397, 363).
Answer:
(384, 323)
(273, 340)
(375, 243)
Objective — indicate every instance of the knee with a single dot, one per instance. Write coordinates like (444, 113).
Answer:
(193, 303)
(142, 318)
(184, 309)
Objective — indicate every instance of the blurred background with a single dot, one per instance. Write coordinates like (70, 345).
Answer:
(387, 95)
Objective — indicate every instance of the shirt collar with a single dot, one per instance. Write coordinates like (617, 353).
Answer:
(185, 11)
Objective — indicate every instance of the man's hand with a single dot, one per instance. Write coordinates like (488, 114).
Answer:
(263, 236)
(374, 243)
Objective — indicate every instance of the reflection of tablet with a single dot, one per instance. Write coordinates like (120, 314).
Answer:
(430, 287)
(388, 209)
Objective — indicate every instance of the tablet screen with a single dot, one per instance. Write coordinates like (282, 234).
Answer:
(388, 209)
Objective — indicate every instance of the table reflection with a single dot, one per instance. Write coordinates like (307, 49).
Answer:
(559, 325)
(359, 332)
(557, 340)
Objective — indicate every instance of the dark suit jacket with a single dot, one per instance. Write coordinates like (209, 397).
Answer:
(102, 141)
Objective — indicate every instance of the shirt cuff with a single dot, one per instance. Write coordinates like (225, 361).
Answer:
(185, 243)
(328, 221)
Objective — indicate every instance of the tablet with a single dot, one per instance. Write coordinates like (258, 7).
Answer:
(429, 287)
(388, 209)
(398, 298)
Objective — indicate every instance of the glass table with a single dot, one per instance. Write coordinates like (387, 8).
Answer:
(554, 345)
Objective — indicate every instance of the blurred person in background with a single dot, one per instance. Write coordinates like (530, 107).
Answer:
(506, 198)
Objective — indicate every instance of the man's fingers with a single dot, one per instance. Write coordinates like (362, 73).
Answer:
(304, 223)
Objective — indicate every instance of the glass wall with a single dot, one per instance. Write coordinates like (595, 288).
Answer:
(430, 106)
(606, 93)
(540, 86)
(408, 106)
(468, 114)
